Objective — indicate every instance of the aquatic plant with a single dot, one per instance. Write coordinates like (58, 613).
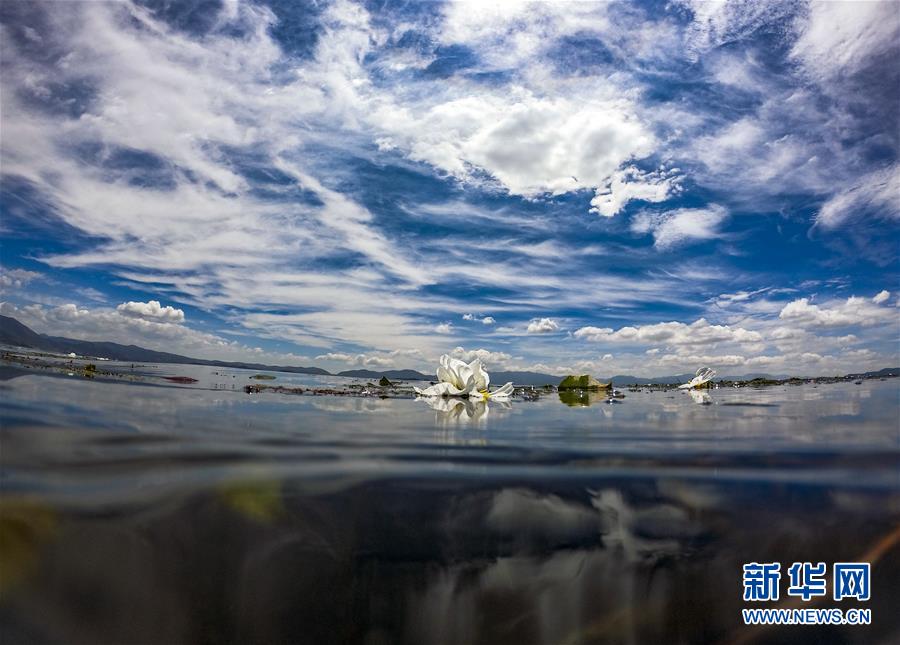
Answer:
(703, 376)
(582, 382)
(458, 378)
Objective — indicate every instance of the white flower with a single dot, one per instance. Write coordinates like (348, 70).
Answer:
(457, 378)
(704, 374)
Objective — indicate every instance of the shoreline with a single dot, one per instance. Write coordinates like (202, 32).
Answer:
(86, 368)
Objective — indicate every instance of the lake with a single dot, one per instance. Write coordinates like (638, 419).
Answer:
(141, 512)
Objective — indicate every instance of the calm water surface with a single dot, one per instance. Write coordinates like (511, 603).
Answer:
(136, 512)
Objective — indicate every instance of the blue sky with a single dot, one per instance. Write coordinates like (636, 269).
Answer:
(562, 186)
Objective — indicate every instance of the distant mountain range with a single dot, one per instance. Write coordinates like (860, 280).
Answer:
(519, 378)
(12, 332)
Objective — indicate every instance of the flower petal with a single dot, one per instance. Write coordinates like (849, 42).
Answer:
(482, 380)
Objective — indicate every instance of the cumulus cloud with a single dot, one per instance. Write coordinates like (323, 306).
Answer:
(673, 333)
(542, 326)
(788, 333)
(151, 310)
(630, 184)
(398, 358)
(881, 296)
(714, 360)
(489, 358)
(17, 278)
(444, 328)
(854, 311)
(682, 226)
(485, 320)
(105, 324)
(336, 356)
(798, 363)
(531, 144)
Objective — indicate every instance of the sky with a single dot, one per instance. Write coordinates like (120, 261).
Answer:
(606, 187)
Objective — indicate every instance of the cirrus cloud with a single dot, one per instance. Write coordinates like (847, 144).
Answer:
(681, 226)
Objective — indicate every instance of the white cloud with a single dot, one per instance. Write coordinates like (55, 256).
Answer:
(400, 358)
(672, 334)
(687, 360)
(531, 144)
(542, 326)
(876, 194)
(842, 37)
(17, 278)
(336, 356)
(486, 320)
(182, 101)
(716, 23)
(788, 333)
(186, 101)
(103, 324)
(489, 358)
(739, 297)
(630, 184)
(151, 310)
(444, 328)
(681, 226)
(512, 32)
(854, 311)
(881, 296)
(784, 147)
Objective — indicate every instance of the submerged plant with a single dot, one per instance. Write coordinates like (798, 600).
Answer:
(458, 378)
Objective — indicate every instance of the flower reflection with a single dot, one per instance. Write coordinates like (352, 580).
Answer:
(462, 410)
(700, 397)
